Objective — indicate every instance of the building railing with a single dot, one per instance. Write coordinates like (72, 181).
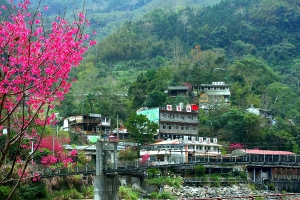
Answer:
(284, 176)
(85, 121)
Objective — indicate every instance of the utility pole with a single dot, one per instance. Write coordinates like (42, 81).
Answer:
(117, 127)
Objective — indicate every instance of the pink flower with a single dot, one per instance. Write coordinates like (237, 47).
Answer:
(86, 36)
(48, 160)
(93, 42)
(73, 152)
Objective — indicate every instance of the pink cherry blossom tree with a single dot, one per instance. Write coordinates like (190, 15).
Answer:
(34, 68)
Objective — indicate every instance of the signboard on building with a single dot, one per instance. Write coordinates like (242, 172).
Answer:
(94, 115)
(169, 107)
(188, 108)
(218, 83)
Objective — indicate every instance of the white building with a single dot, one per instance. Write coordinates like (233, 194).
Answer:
(175, 151)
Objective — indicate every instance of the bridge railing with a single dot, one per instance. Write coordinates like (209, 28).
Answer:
(289, 160)
(82, 169)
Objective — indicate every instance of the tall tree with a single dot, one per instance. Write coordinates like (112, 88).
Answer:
(141, 129)
(34, 71)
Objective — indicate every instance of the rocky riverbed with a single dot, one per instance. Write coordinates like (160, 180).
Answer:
(239, 191)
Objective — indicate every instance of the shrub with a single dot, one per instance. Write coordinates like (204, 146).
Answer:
(127, 193)
(217, 180)
(4, 191)
(199, 170)
(171, 181)
(66, 194)
(154, 195)
(165, 195)
(88, 192)
(271, 186)
(128, 155)
(32, 191)
(152, 172)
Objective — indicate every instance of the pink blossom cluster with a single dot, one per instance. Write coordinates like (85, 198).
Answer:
(234, 146)
(21, 174)
(34, 75)
(35, 63)
(51, 143)
(49, 160)
(73, 152)
(145, 158)
(67, 161)
(36, 177)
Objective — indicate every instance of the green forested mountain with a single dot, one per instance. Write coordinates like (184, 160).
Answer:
(251, 44)
(106, 16)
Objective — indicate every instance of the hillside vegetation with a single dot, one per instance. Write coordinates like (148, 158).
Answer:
(108, 15)
(251, 44)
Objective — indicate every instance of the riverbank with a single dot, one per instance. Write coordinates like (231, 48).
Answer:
(239, 191)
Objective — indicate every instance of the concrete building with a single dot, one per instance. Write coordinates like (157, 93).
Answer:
(87, 128)
(174, 91)
(175, 123)
(212, 95)
(179, 150)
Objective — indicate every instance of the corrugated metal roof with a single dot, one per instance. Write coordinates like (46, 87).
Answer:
(266, 152)
(177, 88)
(166, 142)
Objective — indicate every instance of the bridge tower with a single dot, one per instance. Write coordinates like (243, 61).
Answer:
(106, 186)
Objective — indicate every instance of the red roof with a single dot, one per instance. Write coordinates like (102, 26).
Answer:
(266, 152)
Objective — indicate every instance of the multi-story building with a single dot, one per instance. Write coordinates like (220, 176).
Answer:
(88, 124)
(174, 123)
(212, 95)
(174, 91)
(179, 122)
(179, 150)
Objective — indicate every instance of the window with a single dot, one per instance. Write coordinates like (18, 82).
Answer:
(181, 127)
